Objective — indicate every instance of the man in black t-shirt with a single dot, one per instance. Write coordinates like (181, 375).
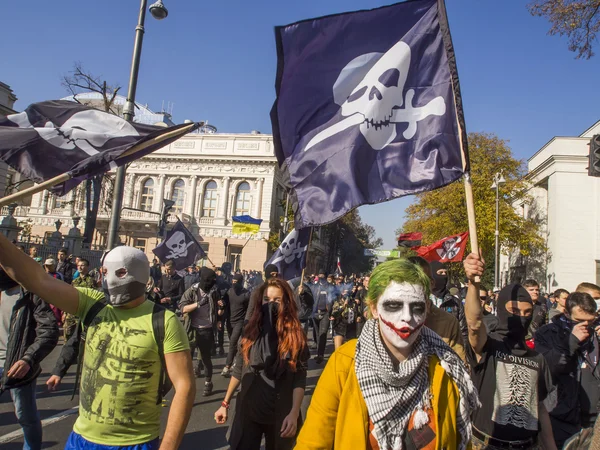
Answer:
(512, 379)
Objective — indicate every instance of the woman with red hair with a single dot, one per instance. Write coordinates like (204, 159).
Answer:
(271, 367)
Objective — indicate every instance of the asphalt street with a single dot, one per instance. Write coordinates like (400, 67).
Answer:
(58, 412)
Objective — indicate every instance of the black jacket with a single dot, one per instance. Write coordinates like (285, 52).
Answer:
(562, 351)
(540, 314)
(34, 334)
(284, 386)
(454, 306)
(67, 269)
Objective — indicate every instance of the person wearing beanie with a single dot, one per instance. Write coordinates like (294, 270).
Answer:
(513, 380)
(324, 296)
(122, 327)
(238, 299)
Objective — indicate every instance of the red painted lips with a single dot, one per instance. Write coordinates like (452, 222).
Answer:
(403, 332)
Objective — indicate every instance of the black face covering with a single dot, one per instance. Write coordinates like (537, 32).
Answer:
(6, 282)
(441, 281)
(239, 283)
(264, 355)
(208, 279)
(512, 329)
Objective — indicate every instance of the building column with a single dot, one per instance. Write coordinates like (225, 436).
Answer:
(258, 203)
(160, 194)
(129, 190)
(72, 197)
(191, 209)
(224, 198)
(44, 205)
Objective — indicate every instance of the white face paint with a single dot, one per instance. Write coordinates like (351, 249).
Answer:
(401, 311)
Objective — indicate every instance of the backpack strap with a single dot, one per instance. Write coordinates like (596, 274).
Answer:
(158, 327)
(83, 327)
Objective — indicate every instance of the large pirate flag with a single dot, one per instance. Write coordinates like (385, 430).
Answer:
(179, 246)
(449, 249)
(290, 257)
(368, 108)
(56, 137)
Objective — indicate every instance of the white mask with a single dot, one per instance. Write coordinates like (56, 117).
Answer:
(131, 284)
(401, 312)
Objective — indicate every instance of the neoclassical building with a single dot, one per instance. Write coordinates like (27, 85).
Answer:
(211, 177)
(563, 198)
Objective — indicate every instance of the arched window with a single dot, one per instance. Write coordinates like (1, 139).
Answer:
(242, 203)
(147, 195)
(178, 196)
(209, 203)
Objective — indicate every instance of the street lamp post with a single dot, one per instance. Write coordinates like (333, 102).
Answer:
(159, 12)
(498, 179)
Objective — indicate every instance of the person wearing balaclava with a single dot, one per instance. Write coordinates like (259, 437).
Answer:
(513, 380)
(29, 329)
(120, 351)
(271, 368)
(200, 304)
(238, 299)
(443, 299)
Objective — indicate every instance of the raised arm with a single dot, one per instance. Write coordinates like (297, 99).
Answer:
(29, 274)
(474, 267)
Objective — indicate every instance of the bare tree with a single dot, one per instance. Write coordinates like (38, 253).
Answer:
(80, 81)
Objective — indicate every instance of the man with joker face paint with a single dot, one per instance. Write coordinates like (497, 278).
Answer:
(399, 385)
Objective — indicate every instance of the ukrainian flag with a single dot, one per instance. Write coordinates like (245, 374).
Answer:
(245, 224)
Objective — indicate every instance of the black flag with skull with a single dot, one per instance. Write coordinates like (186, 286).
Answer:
(56, 137)
(290, 257)
(179, 246)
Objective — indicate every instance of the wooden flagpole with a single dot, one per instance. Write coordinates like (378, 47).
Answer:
(5, 201)
(307, 250)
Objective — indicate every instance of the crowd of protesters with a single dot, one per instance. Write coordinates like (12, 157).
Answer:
(419, 363)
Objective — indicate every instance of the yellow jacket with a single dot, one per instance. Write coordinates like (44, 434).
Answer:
(338, 419)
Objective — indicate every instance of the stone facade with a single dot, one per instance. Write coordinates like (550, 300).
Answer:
(7, 101)
(565, 201)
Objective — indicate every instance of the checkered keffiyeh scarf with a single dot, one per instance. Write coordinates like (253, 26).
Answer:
(393, 396)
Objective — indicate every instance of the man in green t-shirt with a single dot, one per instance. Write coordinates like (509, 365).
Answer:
(121, 366)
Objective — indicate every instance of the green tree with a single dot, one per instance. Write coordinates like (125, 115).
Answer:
(442, 212)
(578, 20)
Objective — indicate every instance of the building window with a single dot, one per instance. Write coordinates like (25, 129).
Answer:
(242, 204)
(235, 256)
(60, 202)
(178, 196)
(209, 204)
(147, 195)
(140, 244)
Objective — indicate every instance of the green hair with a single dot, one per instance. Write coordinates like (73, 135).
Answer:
(400, 271)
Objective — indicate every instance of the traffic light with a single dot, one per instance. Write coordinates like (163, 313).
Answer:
(162, 224)
(594, 167)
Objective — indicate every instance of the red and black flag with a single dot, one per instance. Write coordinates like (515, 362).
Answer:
(410, 240)
(449, 249)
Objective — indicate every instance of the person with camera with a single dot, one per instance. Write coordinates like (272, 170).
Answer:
(570, 346)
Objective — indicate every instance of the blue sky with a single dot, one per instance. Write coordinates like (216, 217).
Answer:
(216, 61)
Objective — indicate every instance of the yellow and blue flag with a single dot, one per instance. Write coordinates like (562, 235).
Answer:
(245, 224)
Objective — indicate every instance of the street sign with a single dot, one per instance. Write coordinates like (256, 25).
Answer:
(381, 253)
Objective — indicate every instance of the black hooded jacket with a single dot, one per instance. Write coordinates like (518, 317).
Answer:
(563, 353)
(34, 334)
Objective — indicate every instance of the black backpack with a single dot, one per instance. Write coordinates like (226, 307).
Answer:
(158, 328)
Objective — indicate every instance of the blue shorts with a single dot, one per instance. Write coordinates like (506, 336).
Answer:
(76, 442)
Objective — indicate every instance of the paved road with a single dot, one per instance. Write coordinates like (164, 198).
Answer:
(58, 411)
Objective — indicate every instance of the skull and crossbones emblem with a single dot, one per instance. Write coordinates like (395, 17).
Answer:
(374, 104)
(450, 248)
(178, 245)
(290, 249)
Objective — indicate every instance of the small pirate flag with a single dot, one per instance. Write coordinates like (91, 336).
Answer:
(290, 257)
(180, 246)
(449, 249)
(58, 137)
(368, 108)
